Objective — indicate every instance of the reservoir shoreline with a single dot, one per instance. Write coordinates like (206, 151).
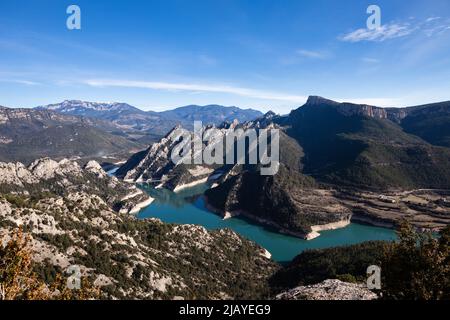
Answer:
(188, 208)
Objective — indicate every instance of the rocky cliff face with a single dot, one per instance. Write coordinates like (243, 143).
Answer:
(156, 167)
(155, 164)
(398, 114)
(348, 109)
(430, 122)
(152, 163)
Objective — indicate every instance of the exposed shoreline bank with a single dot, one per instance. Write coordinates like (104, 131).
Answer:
(325, 227)
(305, 236)
(141, 205)
(190, 184)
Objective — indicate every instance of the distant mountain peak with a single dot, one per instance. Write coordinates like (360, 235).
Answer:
(269, 114)
(211, 114)
(79, 105)
(318, 100)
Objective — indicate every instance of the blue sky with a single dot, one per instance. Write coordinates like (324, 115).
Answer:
(159, 54)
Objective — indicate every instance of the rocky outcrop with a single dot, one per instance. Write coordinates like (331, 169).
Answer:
(47, 168)
(151, 164)
(330, 289)
(94, 167)
(41, 169)
(15, 174)
(63, 177)
(155, 165)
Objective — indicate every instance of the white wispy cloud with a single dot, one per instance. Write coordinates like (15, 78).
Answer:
(370, 60)
(431, 31)
(207, 60)
(432, 19)
(295, 100)
(20, 81)
(385, 32)
(312, 54)
(27, 82)
(197, 88)
(429, 27)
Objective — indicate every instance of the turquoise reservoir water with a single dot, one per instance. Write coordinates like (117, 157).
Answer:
(185, 208)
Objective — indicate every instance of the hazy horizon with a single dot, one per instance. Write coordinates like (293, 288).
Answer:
(263, 110)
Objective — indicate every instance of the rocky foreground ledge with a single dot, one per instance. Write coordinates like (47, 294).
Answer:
(79, 216)
(330, 289)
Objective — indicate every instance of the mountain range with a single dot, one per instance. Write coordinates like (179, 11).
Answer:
(358, 145)
(128, 117)
(89, 130)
